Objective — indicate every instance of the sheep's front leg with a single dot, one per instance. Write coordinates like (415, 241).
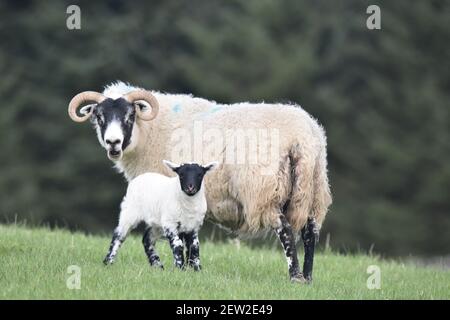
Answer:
(176, 244)
(310, 236)
(149, 246)
(287, 239)
(192, 250)
(119, 236)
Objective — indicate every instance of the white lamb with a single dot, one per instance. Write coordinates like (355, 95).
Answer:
(174, 205)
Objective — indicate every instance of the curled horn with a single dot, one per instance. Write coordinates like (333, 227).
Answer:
(147, 97)
(80, 99)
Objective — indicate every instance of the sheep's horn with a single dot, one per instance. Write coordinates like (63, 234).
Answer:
(82, 98)
(147, 97)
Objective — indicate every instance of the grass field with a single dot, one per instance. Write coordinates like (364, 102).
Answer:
(34, 265)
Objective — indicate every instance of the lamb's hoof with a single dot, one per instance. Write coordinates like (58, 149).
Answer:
(197, 267)
(158, 266)
(299, 279)
(180, 267)
(107, 261)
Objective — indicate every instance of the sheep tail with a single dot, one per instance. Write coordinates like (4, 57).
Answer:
(310, 192)
(322, 194)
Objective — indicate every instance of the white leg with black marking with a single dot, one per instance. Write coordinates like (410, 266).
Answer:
(149, 246)
(192, 249)
(287, 239)
(176, 244)
(310, 236)
(127, 221)
(118, 238)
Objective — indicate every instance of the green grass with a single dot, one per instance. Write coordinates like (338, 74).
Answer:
(34, 262)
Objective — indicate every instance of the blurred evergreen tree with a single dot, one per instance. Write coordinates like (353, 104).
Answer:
(381, 95)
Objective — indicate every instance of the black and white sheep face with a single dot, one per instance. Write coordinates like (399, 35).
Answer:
(190, 175)
(114, 122)
(113, 117)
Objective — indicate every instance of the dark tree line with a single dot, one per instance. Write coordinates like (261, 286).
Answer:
(383, 97)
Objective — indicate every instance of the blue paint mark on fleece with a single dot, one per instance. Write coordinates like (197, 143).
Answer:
(202, 115)
(176, 108)
(215, 109)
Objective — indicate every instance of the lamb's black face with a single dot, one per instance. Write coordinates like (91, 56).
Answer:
(114, 121)
(191, 177)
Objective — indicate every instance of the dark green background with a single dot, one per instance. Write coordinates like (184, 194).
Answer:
(383, 97)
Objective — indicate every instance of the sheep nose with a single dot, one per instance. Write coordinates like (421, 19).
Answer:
(190, 187)
(112, 143)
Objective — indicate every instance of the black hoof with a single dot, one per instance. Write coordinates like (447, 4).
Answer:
(180, 267)
(197, 268)
(157, 266)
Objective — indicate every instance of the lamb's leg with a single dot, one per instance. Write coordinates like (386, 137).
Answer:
(176, 244)
(192, 250)
(287, 239)
(119, 236)
(149, 246)
(310, 235)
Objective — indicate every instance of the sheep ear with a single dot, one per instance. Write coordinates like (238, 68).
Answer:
(143, 105)
(211, 166)
(87, 109)
(171, 165)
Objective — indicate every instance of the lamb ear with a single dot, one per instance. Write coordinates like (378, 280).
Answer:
(211, 166)
(171, 165)
(87, 109)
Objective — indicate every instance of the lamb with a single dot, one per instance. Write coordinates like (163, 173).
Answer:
(288, 194)
(175, 206)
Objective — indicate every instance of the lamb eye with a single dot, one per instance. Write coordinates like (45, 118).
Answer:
(99, 120)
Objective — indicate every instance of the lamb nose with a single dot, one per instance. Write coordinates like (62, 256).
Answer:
(190, 187)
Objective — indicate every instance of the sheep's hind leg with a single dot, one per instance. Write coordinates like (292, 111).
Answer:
(192, 250)
(148, 241)
(287, 239)
(119, 236)
(310, 236)
(176, 244)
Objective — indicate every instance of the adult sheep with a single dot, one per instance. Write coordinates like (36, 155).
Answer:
(289, 193)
